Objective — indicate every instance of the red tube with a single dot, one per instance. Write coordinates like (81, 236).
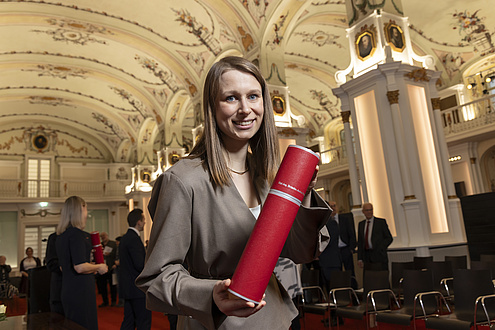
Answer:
(97, 248)
(265, 244)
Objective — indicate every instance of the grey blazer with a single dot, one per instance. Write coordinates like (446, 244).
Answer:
(208, 228)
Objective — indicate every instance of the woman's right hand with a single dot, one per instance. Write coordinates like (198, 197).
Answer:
(233, 307)
(102, 269)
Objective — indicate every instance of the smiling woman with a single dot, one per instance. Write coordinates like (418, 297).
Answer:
(205, 206)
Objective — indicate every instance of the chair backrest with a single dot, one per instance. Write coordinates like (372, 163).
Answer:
(458, 262)
(415, 281)
(487, 257)
(398, 272)
(377, 280)
(341, 279)
(39, 290)
(469, 284)
(310, 277)
(440, 270)
(422, 262)
(490, 265)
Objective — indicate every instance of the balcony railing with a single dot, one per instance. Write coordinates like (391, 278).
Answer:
(471, 116)
(17, 188)
(334, 157)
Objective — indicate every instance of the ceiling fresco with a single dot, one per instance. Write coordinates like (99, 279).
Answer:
(106, 79)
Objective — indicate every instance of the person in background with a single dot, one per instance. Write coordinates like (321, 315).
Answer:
(132, 254)
(26, 264)
(374, 237)
(347, 239)
(205, 206)
(56, 275)
(105, 280)
(7, 290)
(74, 254)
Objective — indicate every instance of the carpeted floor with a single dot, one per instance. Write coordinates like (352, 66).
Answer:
(110, 318)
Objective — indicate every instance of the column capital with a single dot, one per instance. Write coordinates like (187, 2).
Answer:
(393, 97)
(435, 102)
(345, 116)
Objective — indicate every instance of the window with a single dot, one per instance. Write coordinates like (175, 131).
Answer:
(8, 236)
(38, 178)
(36, 237)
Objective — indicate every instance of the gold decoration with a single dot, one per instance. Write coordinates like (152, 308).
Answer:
(173, 158)
(365, 42)
(393, 97)
(418, 75)
(473, 160)
(435, 102)
(288, 132)
(394, 36)
(345, 116)
(409, 197)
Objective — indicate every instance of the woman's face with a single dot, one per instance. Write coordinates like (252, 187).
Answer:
(29, 252)
(239, 107)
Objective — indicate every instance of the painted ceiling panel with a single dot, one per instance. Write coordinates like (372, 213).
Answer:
(108, 66)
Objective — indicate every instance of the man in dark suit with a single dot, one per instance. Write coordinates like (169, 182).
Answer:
(132, 254)
(347, 239)
(342, 244)
(374, 237)
(330, 259)
(105, 280)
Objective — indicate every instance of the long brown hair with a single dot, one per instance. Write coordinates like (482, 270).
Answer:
(264, 151)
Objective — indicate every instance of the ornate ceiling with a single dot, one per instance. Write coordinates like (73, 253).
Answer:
(114, 81)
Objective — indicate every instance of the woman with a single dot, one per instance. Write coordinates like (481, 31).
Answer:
(74, 251)
(27, 263)
(205, 207)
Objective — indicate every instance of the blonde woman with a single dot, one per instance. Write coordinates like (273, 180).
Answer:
(74, 252)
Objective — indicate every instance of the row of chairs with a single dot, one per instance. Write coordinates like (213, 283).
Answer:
(474, 292)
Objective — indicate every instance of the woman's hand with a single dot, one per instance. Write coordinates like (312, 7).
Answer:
(102, 269)
(233, 307)
(307, 197)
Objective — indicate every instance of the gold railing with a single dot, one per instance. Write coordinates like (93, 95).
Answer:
(21, 188)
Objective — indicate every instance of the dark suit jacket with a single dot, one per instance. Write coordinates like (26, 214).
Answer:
(381, 238)
(330, 257)
(132, 254)
(347, 230)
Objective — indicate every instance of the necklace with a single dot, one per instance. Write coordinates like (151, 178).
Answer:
(238, 172)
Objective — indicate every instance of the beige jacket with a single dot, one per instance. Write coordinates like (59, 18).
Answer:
(208, 228)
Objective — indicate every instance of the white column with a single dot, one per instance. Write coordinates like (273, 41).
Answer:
(393, 99)
(353, 172)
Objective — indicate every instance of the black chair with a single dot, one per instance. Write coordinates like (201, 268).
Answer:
(474, 301)
(442, 277)
(415, 282)
(313, 300)
(39, 290)
(397, 275)
(422, 262)
(376, 295)
(458, 262)
(487, 257)
(340, 290)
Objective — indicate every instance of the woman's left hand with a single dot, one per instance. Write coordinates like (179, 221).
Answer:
(236, 306)
(307, 197)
